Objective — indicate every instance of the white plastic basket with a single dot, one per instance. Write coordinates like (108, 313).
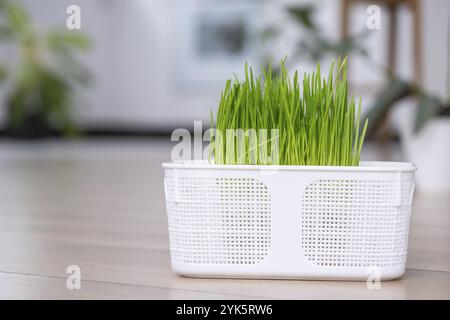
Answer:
(303, 222)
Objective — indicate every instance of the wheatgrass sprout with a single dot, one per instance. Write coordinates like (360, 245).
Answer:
(273, 119)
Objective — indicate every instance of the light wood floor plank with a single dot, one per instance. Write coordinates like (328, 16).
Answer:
(21, 286)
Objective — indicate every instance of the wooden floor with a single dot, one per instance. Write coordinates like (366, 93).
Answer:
(101, 206)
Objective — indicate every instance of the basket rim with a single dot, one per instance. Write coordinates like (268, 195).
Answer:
(365, 166)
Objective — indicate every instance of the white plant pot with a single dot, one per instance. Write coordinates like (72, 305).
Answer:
(297, 222)
(429, 150)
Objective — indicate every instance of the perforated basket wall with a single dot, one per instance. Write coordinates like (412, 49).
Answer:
(218, 220)
(355, 223)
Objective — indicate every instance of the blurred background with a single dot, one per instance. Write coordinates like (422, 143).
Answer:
(108, 68)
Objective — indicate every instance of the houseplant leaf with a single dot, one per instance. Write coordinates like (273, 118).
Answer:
(63, 46)
(18, 19)
(3, 73)
(393, 92)
(303, 15)
(428, 107)
(71, 39)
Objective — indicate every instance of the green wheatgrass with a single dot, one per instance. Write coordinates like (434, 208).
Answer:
(317, 122)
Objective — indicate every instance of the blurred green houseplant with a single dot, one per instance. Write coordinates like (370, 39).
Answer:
(40, 87)
(429, 106)
(314, 45)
